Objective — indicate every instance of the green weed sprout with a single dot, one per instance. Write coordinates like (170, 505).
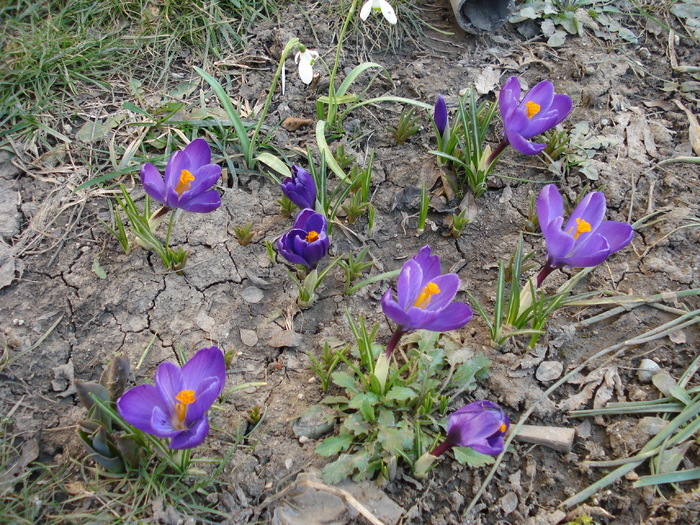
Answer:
(385, 424)
(243, 234)
(406, 127)
(423, 208)
(462, 147)
(353, 266)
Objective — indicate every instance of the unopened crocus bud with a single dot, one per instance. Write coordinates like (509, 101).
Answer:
(440, 115)
(300, 188)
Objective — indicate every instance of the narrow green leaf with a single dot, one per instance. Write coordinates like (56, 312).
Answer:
(275, 163)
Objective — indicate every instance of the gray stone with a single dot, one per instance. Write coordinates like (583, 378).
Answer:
(647, 369)
(314, 422)
(482, 16)
(549, 371)
(252, 294)
(249, 337)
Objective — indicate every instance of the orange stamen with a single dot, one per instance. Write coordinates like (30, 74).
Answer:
(581, 227)
(311, 236)
(184, 183)
(426, 293)
(532, 109)
(184, 398)
(502, 428)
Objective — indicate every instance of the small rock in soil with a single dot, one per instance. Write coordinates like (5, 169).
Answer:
(647, 369)
(249, 337)
(314, 422)
(252, 295)
(549, 371)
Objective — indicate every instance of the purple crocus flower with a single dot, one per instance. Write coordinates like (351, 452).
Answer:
(176, 407)
(586, 239)
(307, 242)
(300, 188)
(424, 297)
(440, 114)
(480, 425)
(537, 112)
(189, 176)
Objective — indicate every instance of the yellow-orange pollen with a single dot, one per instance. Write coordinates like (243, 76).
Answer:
(311, 236)
(184, 183)
(502, 428)
(532, 109)
(426, 293)
(184, 398)
(581, 227)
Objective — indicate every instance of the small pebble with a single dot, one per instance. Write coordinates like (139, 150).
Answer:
(549, 371)
(647, 369)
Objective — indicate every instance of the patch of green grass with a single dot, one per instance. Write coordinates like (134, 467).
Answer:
(29, 493)
(57, 51)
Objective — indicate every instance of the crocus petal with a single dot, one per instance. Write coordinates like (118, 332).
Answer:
(509, 97)
(285, 247)
(162, 424)
(591, 209)
(491, 446)
(388, 11)
(169, 381)
(563, 105)
(137, 404)
(440, 114)
(523, 146)
(454, 316)
(618, 234)
(429, 264)
(199, 153)
(204, 178)
(192, 436)
(205, 394)
(542, 94)
(393, 311)
(465, 429)
(178, 162)
(448, 285)
(409, 284)
(550, 205)
(153, 182)
(202, 203)
(593, 251)
(207, 362)
(559, 243)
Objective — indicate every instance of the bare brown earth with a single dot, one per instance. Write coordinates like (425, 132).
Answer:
(234, 297)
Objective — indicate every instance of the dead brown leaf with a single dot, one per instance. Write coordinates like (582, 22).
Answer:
(294, 123)
(693, 129)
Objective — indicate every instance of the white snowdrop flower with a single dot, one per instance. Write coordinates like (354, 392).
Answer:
(378, 5)
(306, 58)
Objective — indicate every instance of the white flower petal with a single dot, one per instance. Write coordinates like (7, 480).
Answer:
(366, 8)
(388, 11)
(306, 72)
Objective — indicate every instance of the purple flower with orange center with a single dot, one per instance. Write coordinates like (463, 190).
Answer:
(189, 177)
(586, 239)
(424, 298)
(307, 242)
(539, 110)
(480, 425)
(176, 406)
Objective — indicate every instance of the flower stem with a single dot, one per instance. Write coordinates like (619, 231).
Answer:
(496, 153)
(398, 333)
(544, 272)
(442, 448)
